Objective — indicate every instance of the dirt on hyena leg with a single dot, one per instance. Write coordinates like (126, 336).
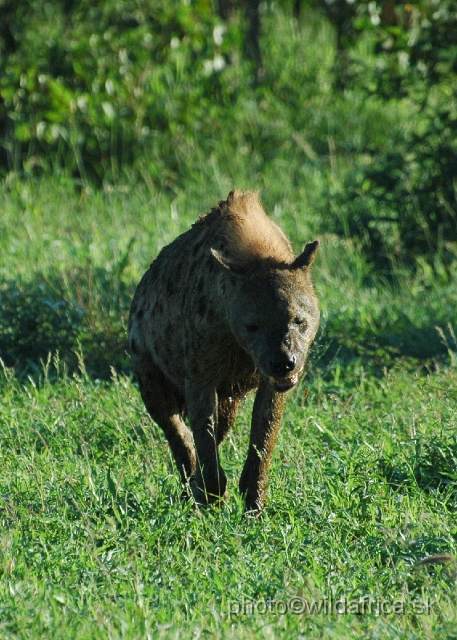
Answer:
(164, 404)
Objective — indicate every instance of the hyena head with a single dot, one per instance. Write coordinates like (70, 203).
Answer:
(273, 313)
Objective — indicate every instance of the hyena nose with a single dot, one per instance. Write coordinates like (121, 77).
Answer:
(282, 364)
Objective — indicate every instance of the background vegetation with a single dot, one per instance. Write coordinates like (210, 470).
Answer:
(120, 124)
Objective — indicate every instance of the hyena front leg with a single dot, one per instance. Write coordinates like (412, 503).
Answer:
(210, 480)
(266, 421)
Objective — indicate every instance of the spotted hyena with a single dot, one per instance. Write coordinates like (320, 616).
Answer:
(225, 308)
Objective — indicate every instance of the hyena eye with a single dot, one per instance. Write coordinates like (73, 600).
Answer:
(252, 327)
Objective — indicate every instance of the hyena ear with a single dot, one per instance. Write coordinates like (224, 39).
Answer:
(307, 256)
(230, 264)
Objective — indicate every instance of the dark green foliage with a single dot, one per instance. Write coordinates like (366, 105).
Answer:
(94, 89)
(89, 87)
(34, 323)
(60, 316)
(403, 203)
(417, 50)
(401, 200)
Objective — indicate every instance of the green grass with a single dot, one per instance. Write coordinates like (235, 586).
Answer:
(73, 261)
(95, 540)
(97, 544)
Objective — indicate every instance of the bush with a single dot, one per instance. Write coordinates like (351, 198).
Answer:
(34, 323)
(402, 201)
(84, 310)
(92, 86)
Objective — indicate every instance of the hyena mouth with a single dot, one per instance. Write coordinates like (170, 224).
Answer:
(284, 384)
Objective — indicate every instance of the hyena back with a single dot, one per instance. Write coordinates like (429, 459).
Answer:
(225, 308)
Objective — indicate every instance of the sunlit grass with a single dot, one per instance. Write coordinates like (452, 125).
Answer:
(96, 542)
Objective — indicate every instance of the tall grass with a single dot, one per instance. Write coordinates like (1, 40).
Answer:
(74, 258)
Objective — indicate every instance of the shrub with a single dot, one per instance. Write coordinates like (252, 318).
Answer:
(402, 201)
(90, 86)
(34, 323)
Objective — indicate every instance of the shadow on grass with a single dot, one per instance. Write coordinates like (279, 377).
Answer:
(81, 312)
(432, 467)
(86, 310)
(343, 344)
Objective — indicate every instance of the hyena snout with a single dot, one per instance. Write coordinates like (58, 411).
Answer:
(282, 363)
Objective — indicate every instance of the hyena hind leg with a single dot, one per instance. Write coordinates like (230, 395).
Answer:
(227, 411)
(165, 405)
